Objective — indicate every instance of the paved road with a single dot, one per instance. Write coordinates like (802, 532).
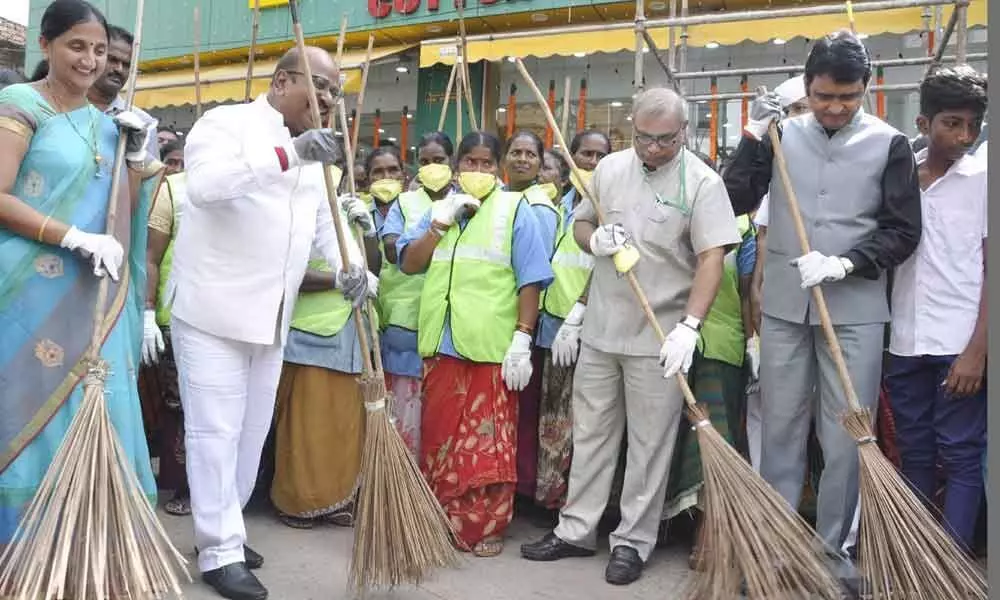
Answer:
(312, 565)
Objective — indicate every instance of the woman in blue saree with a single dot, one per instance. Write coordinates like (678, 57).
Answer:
(55, 181)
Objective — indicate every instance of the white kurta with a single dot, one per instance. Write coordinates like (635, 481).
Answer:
(239, 260)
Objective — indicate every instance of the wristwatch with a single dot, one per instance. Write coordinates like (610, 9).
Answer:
(691, 322)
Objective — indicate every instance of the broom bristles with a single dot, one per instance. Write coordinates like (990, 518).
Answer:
(89, 531)
(401, 532)
(751, 536)
(904, 551)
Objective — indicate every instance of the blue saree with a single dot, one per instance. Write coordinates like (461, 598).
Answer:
(47, 297)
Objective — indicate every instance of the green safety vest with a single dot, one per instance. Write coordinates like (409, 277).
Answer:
(323, 313)
(399, 293)
(722, 335)
(571, 267)
(177, 192)
(470, 279)
(536, 197)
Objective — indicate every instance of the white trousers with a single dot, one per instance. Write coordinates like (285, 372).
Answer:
(613, 394)
(227, 390)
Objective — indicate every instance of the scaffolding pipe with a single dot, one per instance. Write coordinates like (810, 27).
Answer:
(893, 87)
(683, 58)
(640, 28)
(945, 38)
(962, 35)
(671, 38)
(892, 62)
(704, 19)
(659, 59)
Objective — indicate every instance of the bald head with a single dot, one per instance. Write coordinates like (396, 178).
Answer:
(289, 92)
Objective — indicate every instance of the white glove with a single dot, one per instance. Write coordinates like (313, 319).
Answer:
(607, 240)
(372, 285)
(567, 343)
(753, 357)
(516, 368)
(763, 110)
(353, 283)
(103, 250)
(446, 210)
(358, 214)
(678, 350)
(137, 134)
(816, 268)
(152, 338)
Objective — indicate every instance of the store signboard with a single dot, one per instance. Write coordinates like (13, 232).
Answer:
(381, 9)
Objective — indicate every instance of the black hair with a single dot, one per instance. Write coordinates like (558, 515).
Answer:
(953, 88)
(480, 138)
(171, 146)
(574, 145)
(41, 71)
(391, 150)
(440, 138)
(120, 33)
(842, 57)
(10, 77)
(63, 15)
(537, 141)
(563, 167)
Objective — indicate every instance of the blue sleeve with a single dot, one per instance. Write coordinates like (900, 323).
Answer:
(529, 254)
(746, 256)
(548, 221)
(393, 224)
(412, 234)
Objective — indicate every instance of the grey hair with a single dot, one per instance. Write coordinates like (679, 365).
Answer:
(660, 102)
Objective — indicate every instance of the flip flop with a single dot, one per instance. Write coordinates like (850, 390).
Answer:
(296, 522)
(488, 548)
(178, 506)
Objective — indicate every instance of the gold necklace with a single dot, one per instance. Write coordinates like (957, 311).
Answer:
(91, 142)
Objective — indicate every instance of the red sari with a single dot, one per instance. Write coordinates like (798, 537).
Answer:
(468, 444)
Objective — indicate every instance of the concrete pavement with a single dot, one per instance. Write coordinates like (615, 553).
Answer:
(312, 565)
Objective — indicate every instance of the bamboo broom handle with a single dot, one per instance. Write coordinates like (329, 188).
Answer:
(254, 29)
(340, 39)
(197, 62)
(630, 276)
(94, 351)
(361, 98)
(331, 189)
(564, 126)
(800, 230)
(447, 97)
(466, 80)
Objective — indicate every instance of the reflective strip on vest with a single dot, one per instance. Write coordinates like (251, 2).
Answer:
(399, 293)
(471, 282)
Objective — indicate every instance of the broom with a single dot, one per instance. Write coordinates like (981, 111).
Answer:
(89, 532)
(753, 535)
(401, 533)
(904, 552)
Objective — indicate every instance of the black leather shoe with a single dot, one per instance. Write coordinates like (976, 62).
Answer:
(236, 582)
(551, 548)
(624, 567)
(252, 559)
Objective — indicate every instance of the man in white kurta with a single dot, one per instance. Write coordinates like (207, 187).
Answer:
(257, 207)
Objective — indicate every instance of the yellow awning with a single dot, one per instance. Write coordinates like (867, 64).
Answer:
(225, 83)
(895, 21)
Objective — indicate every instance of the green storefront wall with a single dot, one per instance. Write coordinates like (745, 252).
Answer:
(431, 85)
(226, 24)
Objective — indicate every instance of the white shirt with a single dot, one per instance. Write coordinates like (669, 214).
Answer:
(249, 228)
(763, 213)
(936, 292)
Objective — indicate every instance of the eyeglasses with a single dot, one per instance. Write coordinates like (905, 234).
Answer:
(663, 141)
(322, 84)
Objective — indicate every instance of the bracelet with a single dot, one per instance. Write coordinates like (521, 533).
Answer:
(41, 230)
(525, 328)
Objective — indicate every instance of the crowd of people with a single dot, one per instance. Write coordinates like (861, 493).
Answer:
(524, 377)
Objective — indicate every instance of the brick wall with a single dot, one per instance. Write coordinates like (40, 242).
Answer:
(11, 45)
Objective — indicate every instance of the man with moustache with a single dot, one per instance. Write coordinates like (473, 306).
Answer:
(670, 207)
(856, 182)
(257, 208)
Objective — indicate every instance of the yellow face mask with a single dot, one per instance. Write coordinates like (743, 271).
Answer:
(583, 182)
(434, 176)
(550, 190)
(476, 184)
(386, 190)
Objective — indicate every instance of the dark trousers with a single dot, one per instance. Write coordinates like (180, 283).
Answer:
(934, 427)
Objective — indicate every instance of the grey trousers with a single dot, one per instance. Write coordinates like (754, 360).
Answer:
(794, 357)
(612, 395)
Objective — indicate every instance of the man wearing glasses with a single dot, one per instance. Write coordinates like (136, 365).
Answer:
(256, 210)
(662, 201)
(856, 182)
